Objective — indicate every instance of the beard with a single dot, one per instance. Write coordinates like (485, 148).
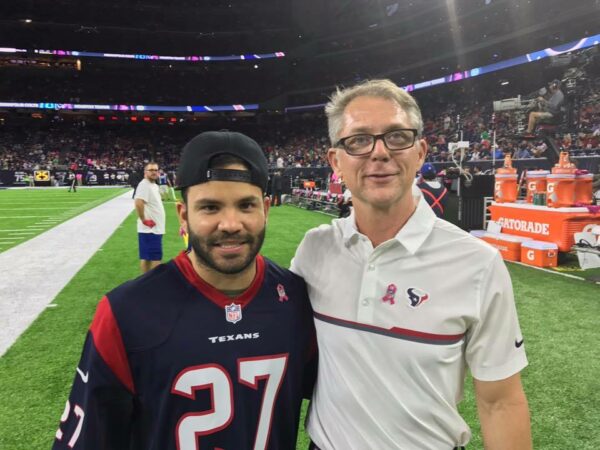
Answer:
(226, 265)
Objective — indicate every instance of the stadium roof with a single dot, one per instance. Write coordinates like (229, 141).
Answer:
(325, 42)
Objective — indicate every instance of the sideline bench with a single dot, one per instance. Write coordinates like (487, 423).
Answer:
(321, 201)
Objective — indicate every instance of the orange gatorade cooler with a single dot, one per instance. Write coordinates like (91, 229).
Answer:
(539, 254)
(560, 183)
(536, 183)
(508, 245)
(564, 164)
(505, 186)
(560, 190)
(583, 188)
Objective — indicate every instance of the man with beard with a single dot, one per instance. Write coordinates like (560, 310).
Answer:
(151, 218)
(213, 349)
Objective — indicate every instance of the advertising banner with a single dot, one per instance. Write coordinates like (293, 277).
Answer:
(41, 177)
(92, 177)
(10, 178)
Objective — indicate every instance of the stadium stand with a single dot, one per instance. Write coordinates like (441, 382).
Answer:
(301, 142)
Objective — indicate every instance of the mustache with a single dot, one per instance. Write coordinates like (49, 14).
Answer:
(215, 239)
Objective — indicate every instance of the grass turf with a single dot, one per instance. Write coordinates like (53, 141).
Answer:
(25, 213)
(558, 317)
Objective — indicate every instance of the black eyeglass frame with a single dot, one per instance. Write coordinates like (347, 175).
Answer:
(341, 143)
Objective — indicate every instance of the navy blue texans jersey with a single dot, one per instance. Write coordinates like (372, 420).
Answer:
(170, 362)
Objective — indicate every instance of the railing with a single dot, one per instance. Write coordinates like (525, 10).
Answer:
(323, 202)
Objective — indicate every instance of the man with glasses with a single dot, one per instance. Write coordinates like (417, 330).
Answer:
(396, 335)
(151, 218)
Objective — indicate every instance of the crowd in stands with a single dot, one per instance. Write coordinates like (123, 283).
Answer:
(292, 140)
(76, 147)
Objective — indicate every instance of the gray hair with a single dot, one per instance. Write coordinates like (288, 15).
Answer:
(385, 89)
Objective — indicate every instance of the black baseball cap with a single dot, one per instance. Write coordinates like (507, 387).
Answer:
(196, 156)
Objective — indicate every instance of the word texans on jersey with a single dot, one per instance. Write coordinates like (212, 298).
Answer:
(234, 337)
(524, 225)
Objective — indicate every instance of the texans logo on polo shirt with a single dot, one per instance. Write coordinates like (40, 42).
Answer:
(416, 297)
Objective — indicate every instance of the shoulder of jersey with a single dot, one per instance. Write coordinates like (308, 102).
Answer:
(282, 274)
(146, 309)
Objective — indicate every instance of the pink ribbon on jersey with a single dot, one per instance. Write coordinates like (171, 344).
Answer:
(282, 295)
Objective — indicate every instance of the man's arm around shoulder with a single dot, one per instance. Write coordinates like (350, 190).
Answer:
(504, 414)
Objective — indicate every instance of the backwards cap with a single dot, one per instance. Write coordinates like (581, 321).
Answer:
(196, 156)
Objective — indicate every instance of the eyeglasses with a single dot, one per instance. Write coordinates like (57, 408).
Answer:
(151, 170)
(363, 144)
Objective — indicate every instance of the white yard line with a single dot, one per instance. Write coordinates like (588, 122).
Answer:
(34, 272)
(23, 217)
(542, 269)
(42, 202)
(37, 208)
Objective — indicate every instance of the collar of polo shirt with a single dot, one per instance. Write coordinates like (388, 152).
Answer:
(411, 236)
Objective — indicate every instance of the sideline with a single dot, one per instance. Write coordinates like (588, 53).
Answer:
(555, 272)
(34, 272)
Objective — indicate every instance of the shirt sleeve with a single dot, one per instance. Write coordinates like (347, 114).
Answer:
(142, 192)
(298, 263)
(98, 414)
(495, 349)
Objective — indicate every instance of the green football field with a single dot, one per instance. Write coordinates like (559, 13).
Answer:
(559, 318)
(25, 213)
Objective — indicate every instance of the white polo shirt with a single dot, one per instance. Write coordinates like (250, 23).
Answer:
(347, 195)
(153, 207)
(398, 325)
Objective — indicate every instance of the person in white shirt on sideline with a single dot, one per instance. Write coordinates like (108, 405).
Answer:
(404, 302)
(151, 219)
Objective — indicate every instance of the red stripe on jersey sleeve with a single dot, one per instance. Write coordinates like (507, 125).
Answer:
(109, 343)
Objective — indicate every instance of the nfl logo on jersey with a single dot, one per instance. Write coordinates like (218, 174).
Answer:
(233, 313)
